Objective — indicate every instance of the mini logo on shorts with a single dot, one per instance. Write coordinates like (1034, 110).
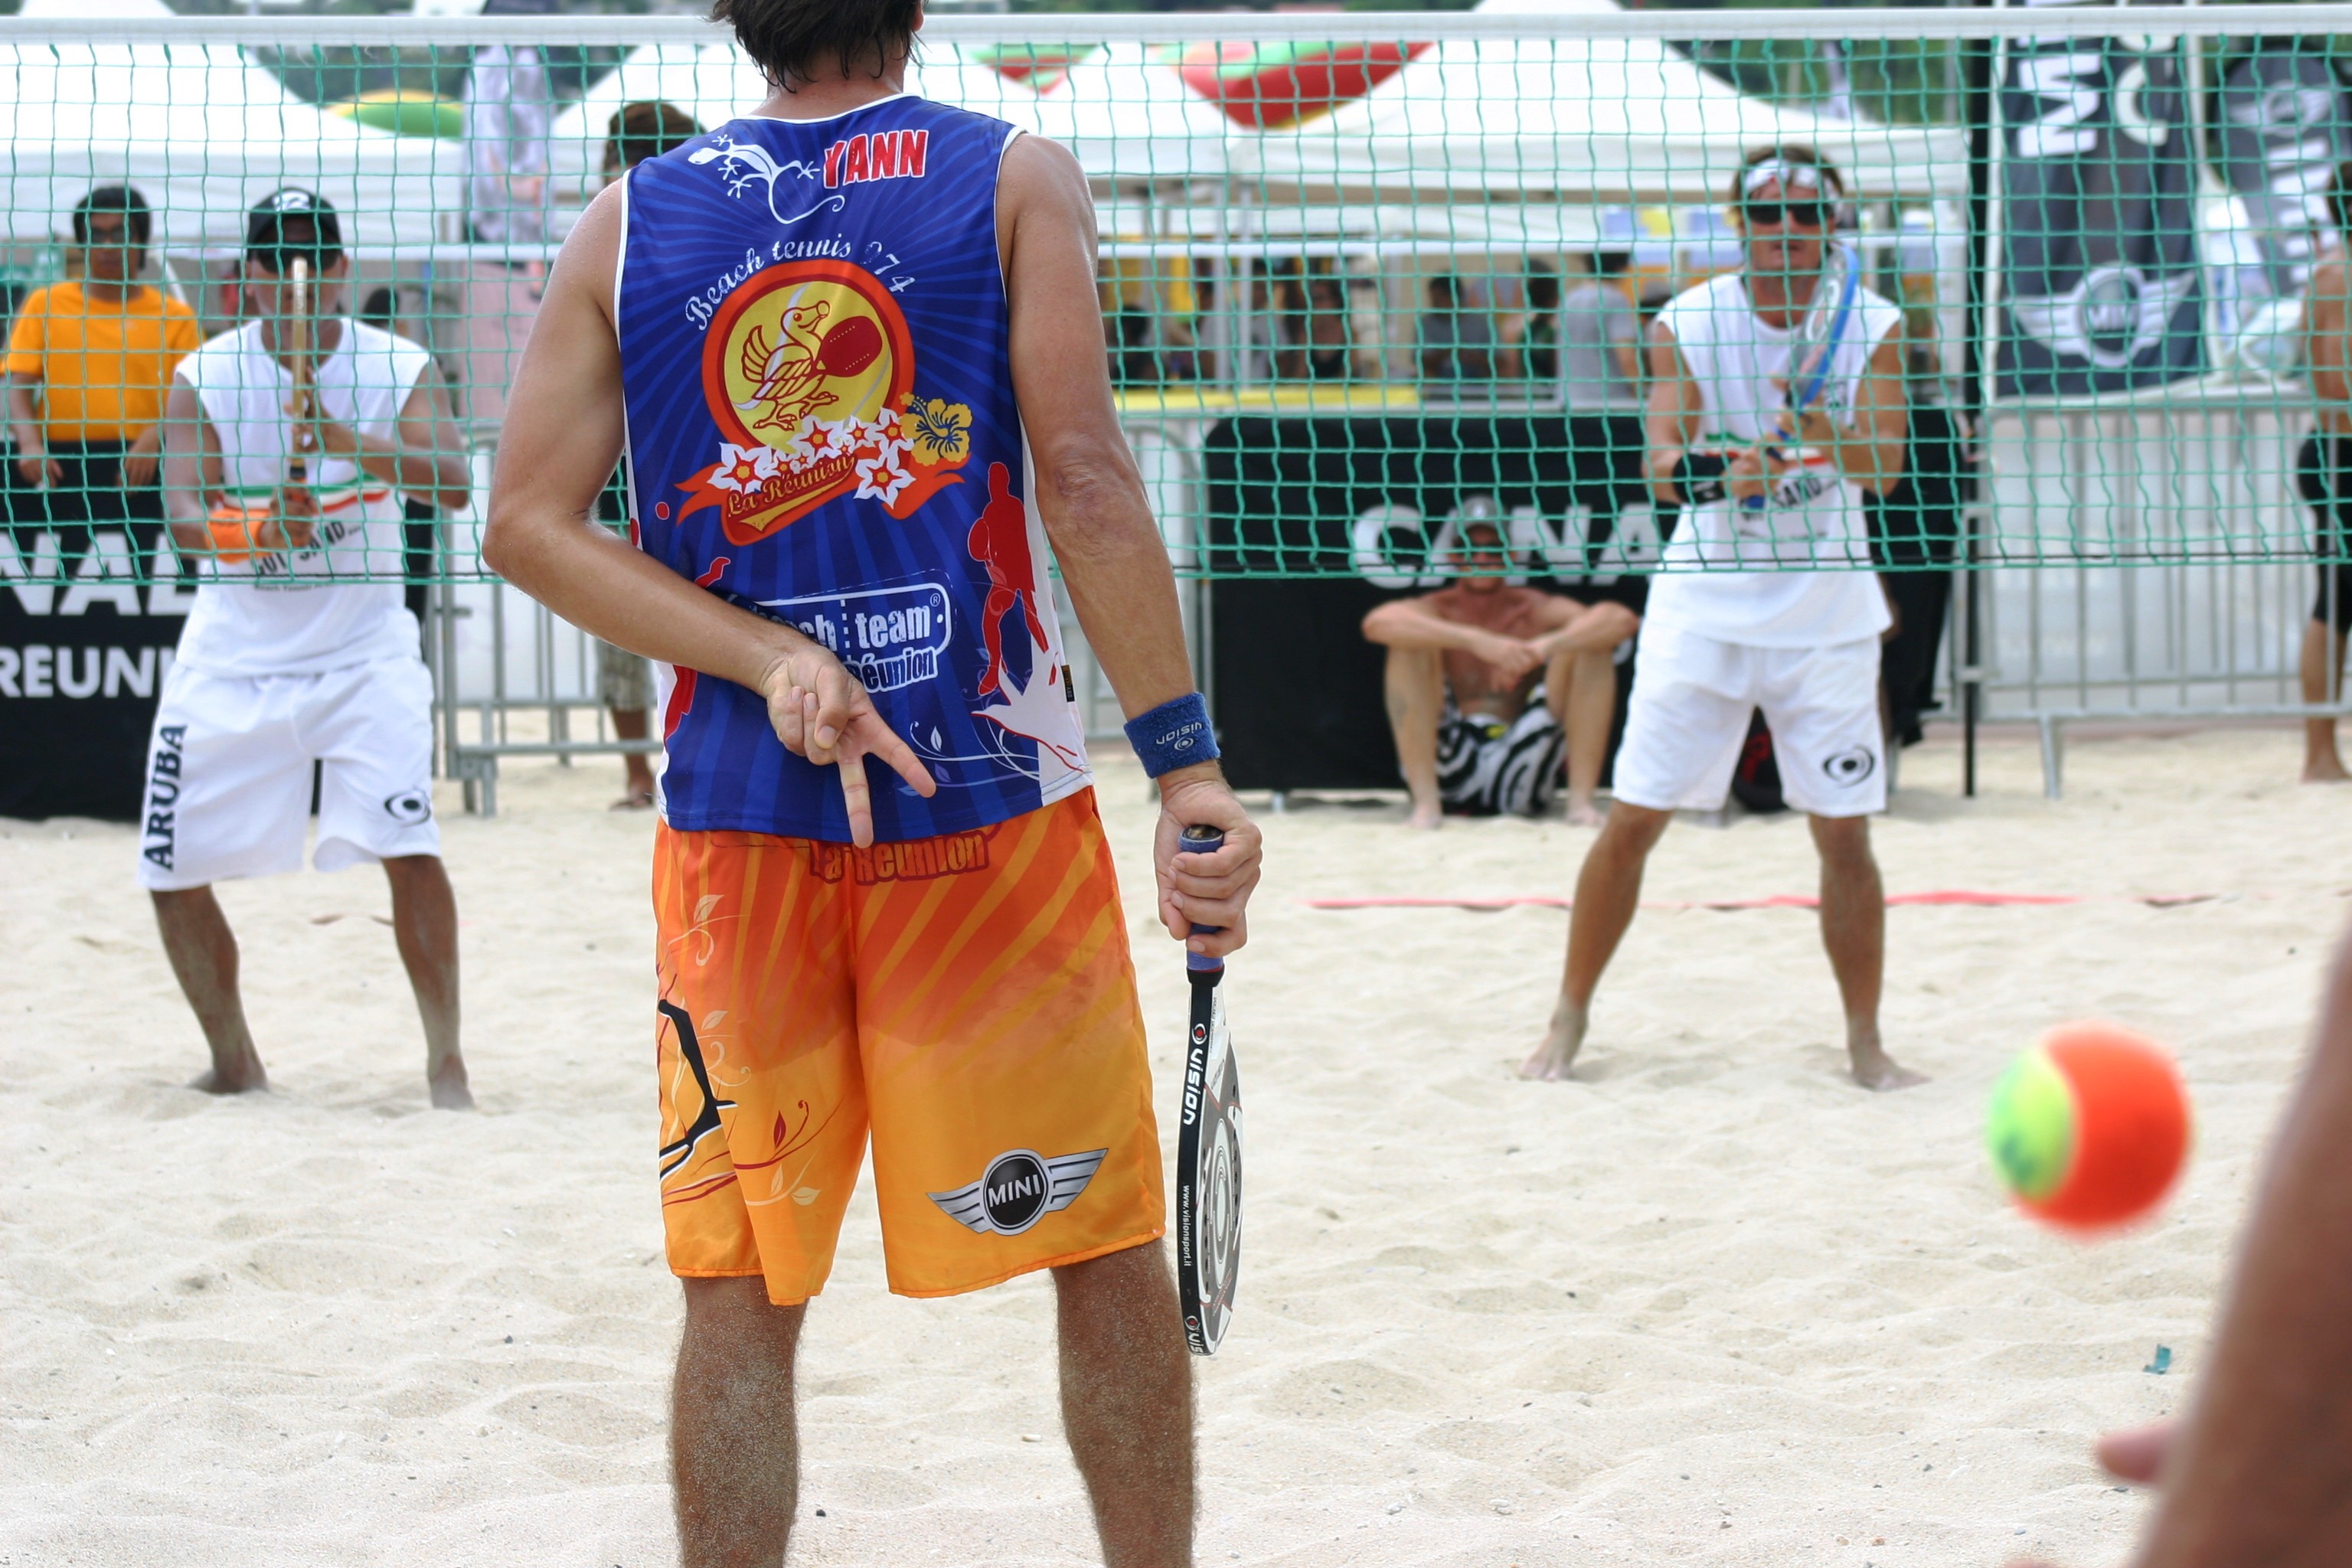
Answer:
(409, 807)
(1019, 1188)
(1851, 766)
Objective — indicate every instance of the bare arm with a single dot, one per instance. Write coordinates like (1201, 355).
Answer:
(1671, 421)
(24, 425)
(561, 439)
(1091, 498)
(426, 457)
(2327, 332)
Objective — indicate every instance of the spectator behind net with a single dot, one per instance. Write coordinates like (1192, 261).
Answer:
(89, 366)
(1457, 345)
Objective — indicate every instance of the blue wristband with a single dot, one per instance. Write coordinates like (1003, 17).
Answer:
(1176, 734)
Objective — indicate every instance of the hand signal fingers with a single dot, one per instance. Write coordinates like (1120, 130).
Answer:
(877, 739)
(785, 713)
(855, 798)
(839, 697)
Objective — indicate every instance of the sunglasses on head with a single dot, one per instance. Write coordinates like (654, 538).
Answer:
(1802, 214)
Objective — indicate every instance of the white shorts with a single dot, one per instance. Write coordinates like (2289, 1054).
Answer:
(1691, 697)
(228, 771)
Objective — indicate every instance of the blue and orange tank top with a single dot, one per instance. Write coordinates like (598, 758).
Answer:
(822, 429)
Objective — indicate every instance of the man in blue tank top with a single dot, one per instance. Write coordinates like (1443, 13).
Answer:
(848, 350)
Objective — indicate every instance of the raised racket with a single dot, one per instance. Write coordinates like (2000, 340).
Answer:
(1812, 348)
(1208, 1147)
(298, 345)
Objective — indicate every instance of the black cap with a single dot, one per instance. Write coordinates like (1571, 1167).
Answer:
(265, 231)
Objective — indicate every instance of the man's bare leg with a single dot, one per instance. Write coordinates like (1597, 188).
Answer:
(734, 1434)
(1586, 682)
(203, 951)
(1854, 930)
(1127, 1404)
(1415, 685)
(425, 922)
(1608, 890)
(2322, 671)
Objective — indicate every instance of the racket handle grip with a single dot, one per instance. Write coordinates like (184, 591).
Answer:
(1202, 840)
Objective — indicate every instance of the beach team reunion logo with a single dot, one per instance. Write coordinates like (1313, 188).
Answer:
(809, 371)
(1019, 1188)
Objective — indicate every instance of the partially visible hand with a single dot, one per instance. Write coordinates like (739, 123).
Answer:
(1812, 427)
(39, 468)
(1509, 657)
(820, 711)
(293, 522)
(1754, 472)
(331, 437)
(138, 469)
(2137, 1455)
(1205, 889)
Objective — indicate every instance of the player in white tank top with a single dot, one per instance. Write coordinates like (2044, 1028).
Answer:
(1799, 638)
(291, 658)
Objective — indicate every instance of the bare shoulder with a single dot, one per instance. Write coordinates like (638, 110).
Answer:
(591, 249)
(1040, 172)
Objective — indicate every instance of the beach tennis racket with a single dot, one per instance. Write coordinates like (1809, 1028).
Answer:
(298, 345)
(1812, 348)
(1208, 1147)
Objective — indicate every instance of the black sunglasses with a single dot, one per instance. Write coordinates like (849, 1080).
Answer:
(1803, 215)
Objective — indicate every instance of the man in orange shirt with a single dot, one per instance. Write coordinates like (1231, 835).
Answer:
(89, 365)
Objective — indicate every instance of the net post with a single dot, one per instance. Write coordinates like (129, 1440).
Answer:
(1978, 369)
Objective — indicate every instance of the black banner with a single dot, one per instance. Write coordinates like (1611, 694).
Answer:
(2100, 279)
(2283, 130)
(84, 647)
(1299, 689)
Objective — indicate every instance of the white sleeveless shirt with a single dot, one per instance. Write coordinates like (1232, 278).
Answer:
(1814, 518)
(287, 614)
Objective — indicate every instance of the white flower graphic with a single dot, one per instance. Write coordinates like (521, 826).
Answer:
(882, 479)
(743, 468)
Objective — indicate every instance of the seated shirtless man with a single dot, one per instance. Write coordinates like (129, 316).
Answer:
(1488, 683)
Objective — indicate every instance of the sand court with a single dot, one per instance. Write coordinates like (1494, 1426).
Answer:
(1706, 1303)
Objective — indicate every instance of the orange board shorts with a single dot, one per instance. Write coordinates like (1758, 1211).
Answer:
(968, 1000)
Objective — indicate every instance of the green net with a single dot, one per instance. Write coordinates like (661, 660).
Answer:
(1365, 280)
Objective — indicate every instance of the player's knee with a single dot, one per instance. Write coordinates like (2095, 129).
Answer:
(735, 1316)
(1843, 841)
(1632, 831)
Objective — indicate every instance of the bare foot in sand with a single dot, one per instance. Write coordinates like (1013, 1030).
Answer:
(448, 1086)
(242, 1077)
(1427, 816)
(1872, 1068)
(2324, 767)
(1550, 1060)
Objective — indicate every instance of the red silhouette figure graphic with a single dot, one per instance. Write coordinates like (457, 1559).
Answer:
(1000, 541)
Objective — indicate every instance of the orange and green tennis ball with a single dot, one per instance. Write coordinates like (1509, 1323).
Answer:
(2089, 1128)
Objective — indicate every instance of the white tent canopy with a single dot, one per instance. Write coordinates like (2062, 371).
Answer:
(1580, 120)
(1127, 116)
(203, 133)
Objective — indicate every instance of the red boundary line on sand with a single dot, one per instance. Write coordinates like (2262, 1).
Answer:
(1964, 897)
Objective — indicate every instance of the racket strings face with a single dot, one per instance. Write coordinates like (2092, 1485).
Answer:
(1815, 343)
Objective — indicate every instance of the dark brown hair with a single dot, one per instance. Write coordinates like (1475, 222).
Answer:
(792, 40)
(1796, 152)
(645, 129)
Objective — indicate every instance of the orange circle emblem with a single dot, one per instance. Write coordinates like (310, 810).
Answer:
(805, 341)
